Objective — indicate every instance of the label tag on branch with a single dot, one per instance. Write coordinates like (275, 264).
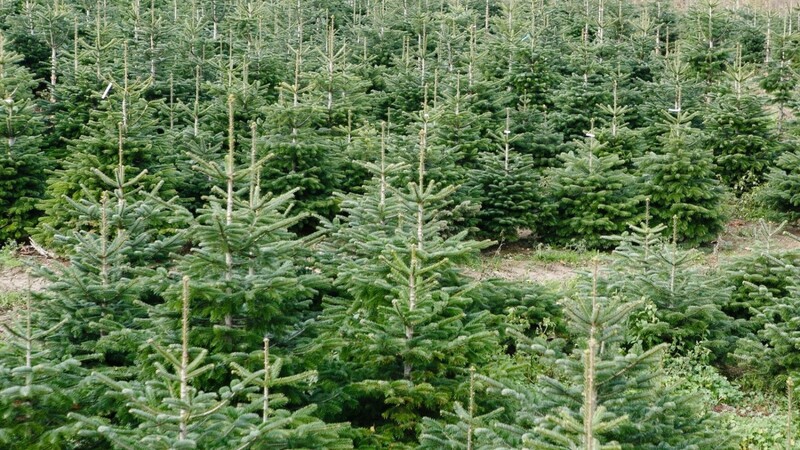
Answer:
(105, 93)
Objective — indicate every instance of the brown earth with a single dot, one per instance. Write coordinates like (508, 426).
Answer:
(18, 280)
(516, 262)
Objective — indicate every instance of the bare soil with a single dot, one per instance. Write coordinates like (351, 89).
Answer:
(18, 280)
(520, 270)
(516, 262)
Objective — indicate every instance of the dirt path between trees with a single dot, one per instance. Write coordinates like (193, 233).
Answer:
(15, 281)
(523, 262)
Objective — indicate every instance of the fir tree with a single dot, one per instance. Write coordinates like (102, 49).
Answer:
(38, 387)
(616, 138)
(22, 162)
(602, 395)
(173, 413)
(508, 189)
(127, 124)
(463, 428)
(122, 236)
(760, 277)
(592, 196)
(769, 355)
(781, 77)
(687, 301)
(708, 53)
(407, 327)
(243, 258)
(738, 130)
(781, 192)
(302, 159)
(680, 182)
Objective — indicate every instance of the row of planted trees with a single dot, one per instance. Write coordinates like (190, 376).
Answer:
(221, 328)
(265, 213)
(521, 101)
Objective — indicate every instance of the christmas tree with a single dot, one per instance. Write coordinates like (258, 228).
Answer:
(22, 162)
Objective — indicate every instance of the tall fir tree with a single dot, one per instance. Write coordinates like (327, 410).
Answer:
(22, 161)
(128, 123)
(508, 190)
(405, 330)
(244, 261)
(679, 177)
(739, 131)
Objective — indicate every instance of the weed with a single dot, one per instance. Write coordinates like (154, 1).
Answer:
(8, 256)
(11, 300)
(567, 256)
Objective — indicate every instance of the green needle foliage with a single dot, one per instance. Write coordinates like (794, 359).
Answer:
(740, 132)
(22, 161)
(245, 262)
(172, 413)
(602, 394)
(404, 328)
(781, 193)
(687, 300)
(507, 187)
(680, 182)
(590, 196)
(37, 388)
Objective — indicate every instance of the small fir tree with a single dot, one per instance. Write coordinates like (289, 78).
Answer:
(243, 258)
(680, 182)
(687, 301)
(126, 123)
(602, 395)
(769, 354)
(37, 387)
(173, 413)
(781, 192)
(592, 196)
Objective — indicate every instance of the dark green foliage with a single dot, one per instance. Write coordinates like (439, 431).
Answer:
(709, 51)
(739, 132)
(508, 190)
(683, 302)
(780, 79)
(781, 192)
(22, 161)
(99, 290)
(109, 141)
(211, 139)
(303, 160)
(37, 388)
(591, 196)
(679, 180)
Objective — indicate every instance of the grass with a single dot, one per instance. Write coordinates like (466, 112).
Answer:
(8, 257)
(11, 300)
